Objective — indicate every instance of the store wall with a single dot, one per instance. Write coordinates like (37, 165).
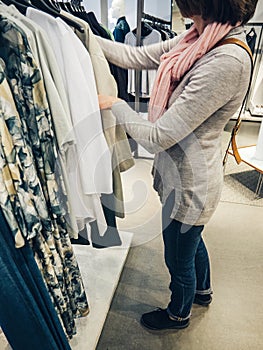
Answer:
(258, 17)
(94, 6)
(157, 8)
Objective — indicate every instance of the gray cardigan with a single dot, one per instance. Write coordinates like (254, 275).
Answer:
(186, 140)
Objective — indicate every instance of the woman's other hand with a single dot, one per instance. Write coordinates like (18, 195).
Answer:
(106, 102)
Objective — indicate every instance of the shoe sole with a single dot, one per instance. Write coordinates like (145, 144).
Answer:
(163, 329)
(202, 303)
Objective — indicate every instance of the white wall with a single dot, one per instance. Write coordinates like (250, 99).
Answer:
(94, 6)
(157, 8)
(130, 13)
(258, 17)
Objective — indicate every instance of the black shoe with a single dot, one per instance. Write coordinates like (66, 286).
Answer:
(82, 238)
(159, 320)
(202, 299)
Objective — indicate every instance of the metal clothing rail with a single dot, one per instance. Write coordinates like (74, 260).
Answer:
(155, 19)
(140, 7)
(140, 16)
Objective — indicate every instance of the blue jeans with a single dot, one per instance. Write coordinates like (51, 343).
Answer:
(27, 315)
(187, 260)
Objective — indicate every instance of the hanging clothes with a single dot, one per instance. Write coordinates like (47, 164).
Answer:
(54, 87)
(91, 19)
(27, 315)
(21, 195)
(56, 94)
(121, 29)
(120, 74)
(122, 159)
(90, 173)
(30, 126)
(147, 76)
(251, 38)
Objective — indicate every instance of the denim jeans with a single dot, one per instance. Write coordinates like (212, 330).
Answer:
(187, 260)
(27, 315)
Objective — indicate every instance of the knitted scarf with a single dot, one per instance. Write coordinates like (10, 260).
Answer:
(175, 63)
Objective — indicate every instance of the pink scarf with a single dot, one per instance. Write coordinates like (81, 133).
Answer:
(176, 62)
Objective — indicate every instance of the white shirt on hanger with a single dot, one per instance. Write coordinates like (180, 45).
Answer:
(148, 76)
(89, 170)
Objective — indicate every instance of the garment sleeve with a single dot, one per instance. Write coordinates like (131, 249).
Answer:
(118, 35)
(140, 57)
(208, 90)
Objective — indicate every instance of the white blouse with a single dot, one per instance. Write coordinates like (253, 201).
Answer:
(89, 169)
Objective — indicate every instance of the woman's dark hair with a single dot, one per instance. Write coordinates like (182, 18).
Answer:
(222, 11)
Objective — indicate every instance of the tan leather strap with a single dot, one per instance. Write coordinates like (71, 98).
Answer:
(236, 42)
(235, 130)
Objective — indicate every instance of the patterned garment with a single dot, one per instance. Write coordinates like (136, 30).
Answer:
(30, 170)
(15, 196)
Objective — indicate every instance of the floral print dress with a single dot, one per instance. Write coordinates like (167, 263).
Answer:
(32, 191)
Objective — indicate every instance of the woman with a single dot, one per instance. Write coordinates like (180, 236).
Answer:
(199, 86)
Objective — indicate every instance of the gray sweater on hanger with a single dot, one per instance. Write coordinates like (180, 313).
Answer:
(186, 140)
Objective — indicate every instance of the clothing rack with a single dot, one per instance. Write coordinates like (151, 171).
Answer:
(140, 7)
(155, 19)
(141, 15)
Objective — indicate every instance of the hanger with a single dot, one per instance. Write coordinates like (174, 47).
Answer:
(19, 4)
(45, 6)
(66, 6)
(23, 2)
(52, 4)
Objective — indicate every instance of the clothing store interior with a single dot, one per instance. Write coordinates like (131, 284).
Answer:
(82, 251)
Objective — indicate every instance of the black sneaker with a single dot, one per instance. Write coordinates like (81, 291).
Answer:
(159, 320)
(202, 299)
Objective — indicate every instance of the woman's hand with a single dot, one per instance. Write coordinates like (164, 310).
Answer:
(106, 102)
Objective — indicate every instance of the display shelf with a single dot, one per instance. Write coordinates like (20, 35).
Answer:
(100, 270)
(247, 156)
(247, 116)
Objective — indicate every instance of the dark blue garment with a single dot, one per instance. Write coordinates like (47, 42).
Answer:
(121, 29)
(187, 260)
(121, 75)
(27, 315)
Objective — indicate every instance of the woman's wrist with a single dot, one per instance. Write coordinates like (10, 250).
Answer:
(106, 102)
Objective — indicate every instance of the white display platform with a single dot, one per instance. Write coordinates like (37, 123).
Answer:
(101, 270)
(247, 155)
(3, 343)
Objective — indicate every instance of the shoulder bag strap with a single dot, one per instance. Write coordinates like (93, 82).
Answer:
(235, 130)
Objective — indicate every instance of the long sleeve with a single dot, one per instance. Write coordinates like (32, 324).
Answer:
(143, 57)
(190, 109)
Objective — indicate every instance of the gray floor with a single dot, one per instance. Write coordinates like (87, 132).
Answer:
(233, 321)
